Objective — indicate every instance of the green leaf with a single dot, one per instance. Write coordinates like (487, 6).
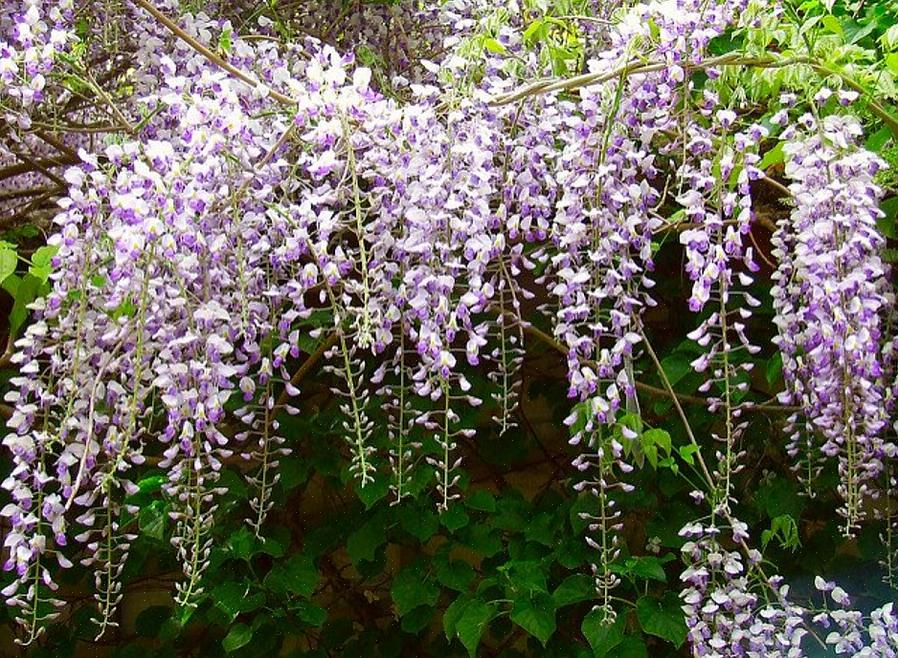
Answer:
(878, 139)
(855, 31)
(151, 484)
(481, 500)
(686, 453)
(652, 441)
(888, 225)
(11, 284)
(484, 540)
(8, 262)
(43, 257)
(774, 369)
(297, 576)
(293, 472)
(536, 616)
(494, 46)
(232, 598)
(892, 62)
(42, 262)
(832, 24)
(526, 576)
(454, 518)
(647, 567)
(455, 574)
(373, 491)
(453, 613)
(676, 366)
(224, 40)
(542, 529)
(601, 635)
(471, 624)
(662, 617)
(239, 636)
(784, 529)
(573, 589)
(411, 589)
(422, 524)
(311, 613)
(150, 620)
(417, 620)
(536, 31)
(362, 544)
(631, 646)
(25, 294)
(772, 157)
(152, 520)
(779, 496)
(241, 544)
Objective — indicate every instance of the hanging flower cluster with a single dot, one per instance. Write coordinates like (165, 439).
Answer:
(831, 297)
(34, 33)
(732, 608)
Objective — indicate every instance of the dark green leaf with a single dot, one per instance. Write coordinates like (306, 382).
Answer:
(647, 567)
(412, 589)
(420, 523)
(662, 617)
(454, 518)
(481, 500)
(364, 542)
(373, 491)
(888, 225)
(536, 616)
(239, 636)
(455, 574)
(310, 613)
(471, 624)
(25, 294)
(233, 597)
(153, 519)
(676, 366)
(573, 589)
(779, 496)
(601, 635)
(297, 576)
(417, 620)
(774, 369)
(526, 576)
(242, 544)
(294, 472)
(631, 646)
(453, 613)
(150, 620)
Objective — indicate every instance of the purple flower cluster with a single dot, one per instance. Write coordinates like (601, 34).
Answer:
(731, 607)
(831, 297)
(32, 34)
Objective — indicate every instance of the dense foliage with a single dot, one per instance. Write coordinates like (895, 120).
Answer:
(450, 328)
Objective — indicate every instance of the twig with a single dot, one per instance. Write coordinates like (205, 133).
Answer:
(303, 370)
(654, 390)
(203, 50)
(730, 59)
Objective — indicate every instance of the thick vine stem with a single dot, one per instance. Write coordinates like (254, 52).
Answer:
(731, 59)
(175, 29)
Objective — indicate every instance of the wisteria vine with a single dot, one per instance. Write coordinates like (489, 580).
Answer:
(417, 200)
